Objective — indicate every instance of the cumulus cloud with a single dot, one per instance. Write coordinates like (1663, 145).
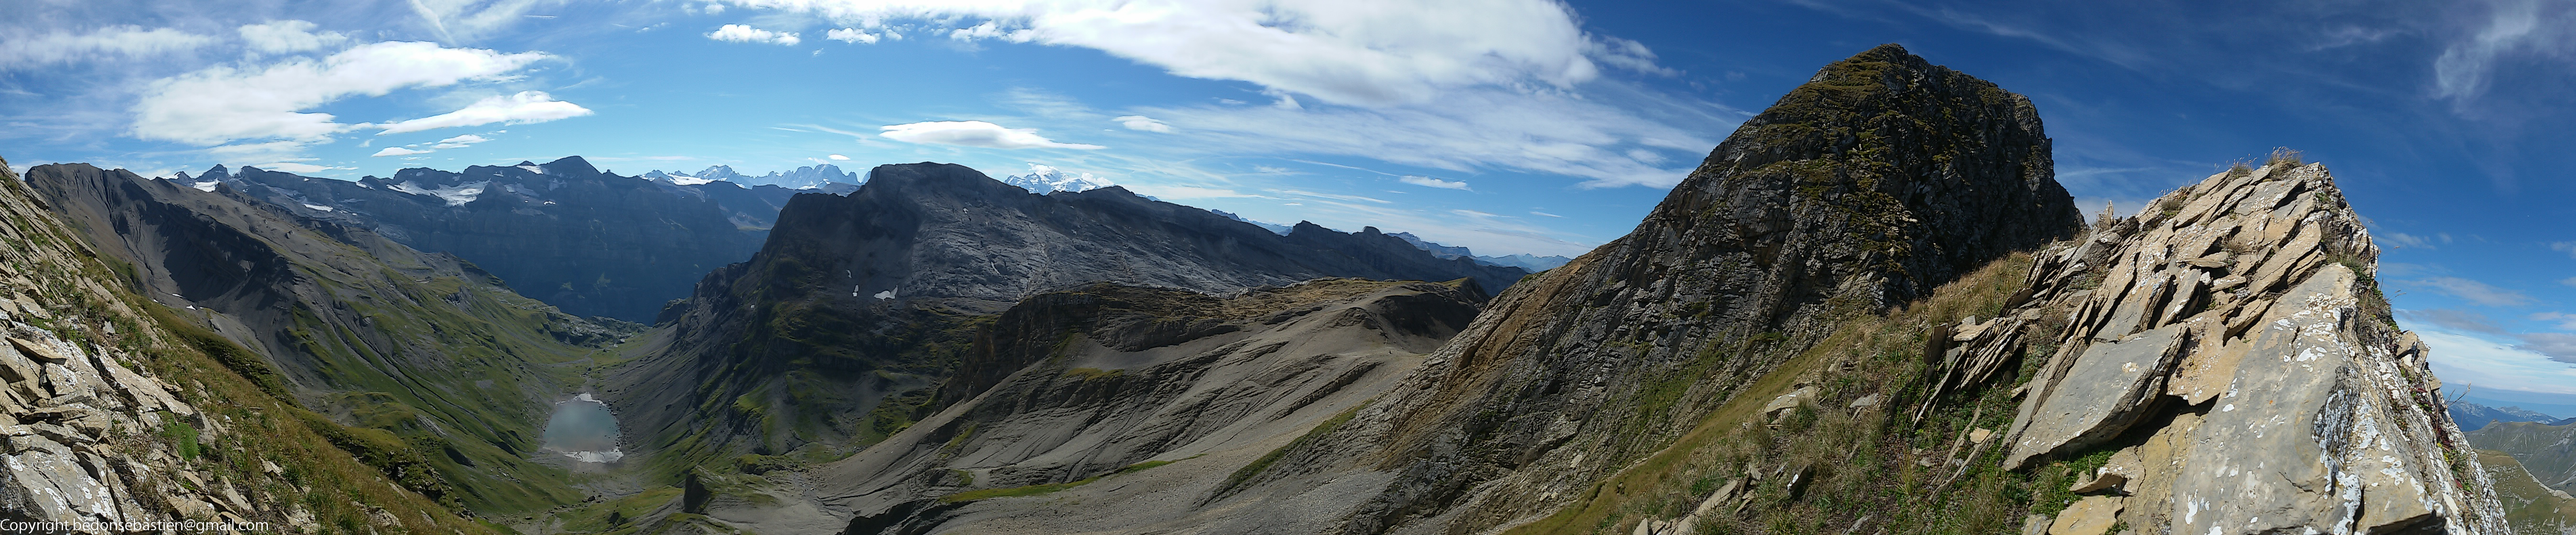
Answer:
(838, 157)
(851, 35)
(524, 107)
(975, 134)
(1363, 52)
(288, 36)
(745, 34)
(225, 103)
(1140, 122)
(1429, 182)
(66, 47)
(2476, 292)
(399, 151)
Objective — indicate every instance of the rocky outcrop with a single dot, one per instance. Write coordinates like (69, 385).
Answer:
(424, 346)
(857, 298)
(108, 414)
(591, 243)
(2230, 341)
(1876, 181)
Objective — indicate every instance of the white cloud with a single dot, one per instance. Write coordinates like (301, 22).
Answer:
(2476, 292)
(459, 142)
(2568, 247)
(2564, 320)
(838, 157)
(1473, 130)
(288, 36)
(851, 35)
(298, 168)
(1429, 182)
(745, 34)
(2460, 358)
(1544, 214)
(1140, 122)
(1364, 52)
(522, 108)
(975, 134)
(220, 104)
(62, 47)
(399, 151)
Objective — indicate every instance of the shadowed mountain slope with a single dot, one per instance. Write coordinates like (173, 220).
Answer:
(117, 410)
(856, 298)
(592, 243)
(423, 346)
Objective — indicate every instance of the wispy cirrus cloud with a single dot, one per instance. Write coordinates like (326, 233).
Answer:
(59, 46)
(2476, 292)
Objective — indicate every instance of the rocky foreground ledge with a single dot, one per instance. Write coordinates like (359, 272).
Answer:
(2230, 346)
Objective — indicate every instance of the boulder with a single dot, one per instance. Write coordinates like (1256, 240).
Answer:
(2108, 387)
(2093, 515)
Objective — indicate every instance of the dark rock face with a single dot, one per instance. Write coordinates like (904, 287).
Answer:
(1875, 182)
(375, 334)
(860, 296)
(592, 243)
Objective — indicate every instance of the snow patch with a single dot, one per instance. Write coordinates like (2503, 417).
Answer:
(207, 186)
(456, 195)
(318, 207)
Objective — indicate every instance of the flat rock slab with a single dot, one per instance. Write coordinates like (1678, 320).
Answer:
(2093, 515)
(2295, 444)
(2106, 389)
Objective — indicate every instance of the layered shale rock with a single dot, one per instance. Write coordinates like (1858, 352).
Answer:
(111, 412)
(1878, 180)
(2230, 340)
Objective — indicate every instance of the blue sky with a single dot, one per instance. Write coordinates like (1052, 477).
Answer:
(1509, 126)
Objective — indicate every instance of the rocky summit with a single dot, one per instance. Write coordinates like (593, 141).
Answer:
(2229, 347)
(1878, 180)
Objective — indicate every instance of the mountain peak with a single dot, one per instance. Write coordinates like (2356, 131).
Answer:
(569, 165)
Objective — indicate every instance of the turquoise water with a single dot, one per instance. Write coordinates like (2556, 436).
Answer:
(583, 429)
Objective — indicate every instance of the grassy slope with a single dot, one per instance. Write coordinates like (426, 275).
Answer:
(326, 478)
(2529, 507)
(1864, 463)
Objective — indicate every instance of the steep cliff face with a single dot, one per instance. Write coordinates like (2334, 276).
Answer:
(1879, 179)
(592, 243)
(876, 293)
(114, 410)
(423, 346)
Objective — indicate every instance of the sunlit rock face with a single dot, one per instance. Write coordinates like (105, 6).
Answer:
(2230, 339)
